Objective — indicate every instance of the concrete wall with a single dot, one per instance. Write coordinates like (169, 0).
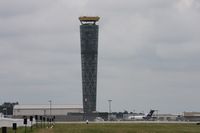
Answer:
(89, 53)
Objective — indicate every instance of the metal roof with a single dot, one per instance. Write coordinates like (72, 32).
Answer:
(191, 113)
(46, 106)
(89, 18)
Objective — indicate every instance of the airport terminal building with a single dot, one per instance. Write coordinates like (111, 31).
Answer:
(191, 116)
(46, 110)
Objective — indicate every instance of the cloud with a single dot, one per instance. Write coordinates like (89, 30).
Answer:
(183, 5)
(148, 52)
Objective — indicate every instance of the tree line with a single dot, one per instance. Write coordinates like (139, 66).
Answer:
(7, 108)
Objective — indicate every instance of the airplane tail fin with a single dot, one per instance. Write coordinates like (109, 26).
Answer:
(149, 115)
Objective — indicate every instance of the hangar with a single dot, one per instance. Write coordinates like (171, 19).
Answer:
(46, 110)
(191, 116)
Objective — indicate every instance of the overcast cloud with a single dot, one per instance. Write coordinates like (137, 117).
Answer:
(148, 53)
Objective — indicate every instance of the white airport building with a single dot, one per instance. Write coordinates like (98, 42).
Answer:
(46, 110)
(191, 116)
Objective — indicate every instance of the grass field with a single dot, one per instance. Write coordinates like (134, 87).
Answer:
(116, 128)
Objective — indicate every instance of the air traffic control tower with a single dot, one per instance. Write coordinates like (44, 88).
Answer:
(89, 52)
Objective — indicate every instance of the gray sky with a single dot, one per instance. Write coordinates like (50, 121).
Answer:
(148, 53)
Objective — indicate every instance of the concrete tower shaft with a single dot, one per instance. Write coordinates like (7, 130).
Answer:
(89, 54)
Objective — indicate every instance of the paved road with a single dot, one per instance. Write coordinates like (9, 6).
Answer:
(110, 122)
(8, 122)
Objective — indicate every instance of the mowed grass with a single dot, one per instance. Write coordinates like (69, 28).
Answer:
(126, 128)
(117, 128)
(22, 130)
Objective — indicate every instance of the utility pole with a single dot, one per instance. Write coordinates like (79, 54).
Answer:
(50, 102)
(110, 111)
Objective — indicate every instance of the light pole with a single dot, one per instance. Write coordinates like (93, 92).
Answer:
(109, 115)
(50, 102)
(157, 114)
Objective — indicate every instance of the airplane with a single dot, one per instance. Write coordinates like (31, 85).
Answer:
(142, 117)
